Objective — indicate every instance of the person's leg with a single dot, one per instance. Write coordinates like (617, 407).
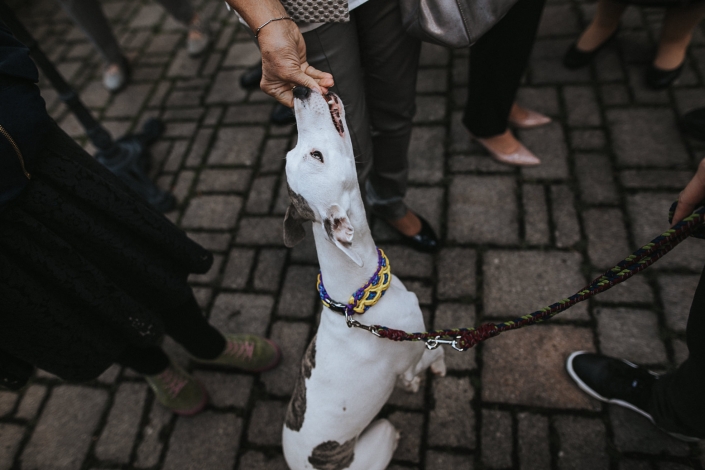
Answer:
(390, 60)
(497, 63)
(602, 26)
(676, 33)
(677, 403)
(89, 16)
(183, 11)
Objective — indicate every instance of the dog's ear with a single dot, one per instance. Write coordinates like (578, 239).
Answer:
(293, 227)
(340, 231)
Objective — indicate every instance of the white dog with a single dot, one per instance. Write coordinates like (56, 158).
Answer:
(347, 374)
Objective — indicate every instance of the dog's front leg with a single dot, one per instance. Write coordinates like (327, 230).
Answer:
(434, 358)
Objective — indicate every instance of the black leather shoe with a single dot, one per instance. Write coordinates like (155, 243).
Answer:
(693, 123)
(618, 382)
(574, 58)
(426, 240)
(282, 115)
(658, 79)
(251, 77)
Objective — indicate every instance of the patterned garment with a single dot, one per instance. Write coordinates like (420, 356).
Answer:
(311, 11)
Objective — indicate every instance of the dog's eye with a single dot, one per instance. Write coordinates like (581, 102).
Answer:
(317, 155)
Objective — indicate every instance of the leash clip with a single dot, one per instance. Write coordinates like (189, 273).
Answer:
(433, 343)
(356, 324)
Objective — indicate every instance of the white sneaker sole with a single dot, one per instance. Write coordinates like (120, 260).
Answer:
(585, 388)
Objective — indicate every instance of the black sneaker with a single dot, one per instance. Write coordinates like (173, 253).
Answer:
(616, 381)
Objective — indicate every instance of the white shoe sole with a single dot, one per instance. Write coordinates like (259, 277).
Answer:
(585, 388)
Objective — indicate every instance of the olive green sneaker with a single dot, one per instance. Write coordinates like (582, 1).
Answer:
(249, 353)
(177, 390)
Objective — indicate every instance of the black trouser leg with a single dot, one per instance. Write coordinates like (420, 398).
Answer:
(678, 401)
(189, 328)
(497, 63)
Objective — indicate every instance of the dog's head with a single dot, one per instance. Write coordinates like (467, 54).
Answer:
(320, 171)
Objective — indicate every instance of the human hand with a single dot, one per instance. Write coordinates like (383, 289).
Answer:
(284, 63)
(692, 196)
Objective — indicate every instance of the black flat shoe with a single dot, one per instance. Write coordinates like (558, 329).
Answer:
(426, 240)
(251, 77)
(282, 115)
(658, 79)
(574, 58)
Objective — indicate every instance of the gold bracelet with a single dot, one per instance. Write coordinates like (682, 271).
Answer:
(270, 21)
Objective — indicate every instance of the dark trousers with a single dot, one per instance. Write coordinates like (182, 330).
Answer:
(678, 400)
(188, 327)
(497, 63)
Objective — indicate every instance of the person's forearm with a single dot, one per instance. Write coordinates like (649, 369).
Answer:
(257, 12)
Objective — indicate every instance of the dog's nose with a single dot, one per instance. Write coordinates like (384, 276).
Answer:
(301, 92)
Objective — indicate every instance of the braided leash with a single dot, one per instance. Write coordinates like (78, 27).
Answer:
(462, 339)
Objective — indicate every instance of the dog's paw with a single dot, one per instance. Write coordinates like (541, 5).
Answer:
(439, 368)
(413, 385)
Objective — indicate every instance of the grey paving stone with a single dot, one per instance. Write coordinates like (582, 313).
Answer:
(261, 231)
(150, 448)
(7, 402)
(207, 440)
(536, 228)
(548, 142)
(118, 436)
(452, 420)
(474, 205)
(224, 180)
(183, 184)
(643, 137)
(298, 296)
(410, 426)
(606, 236)
(426, 154)
(406, 262)
(455, 315)
(211, 241)
(236, 146)
(237, 271)
(680, 351)
(456, 273)
(261, 195)
(581, 104)
(242, 313)
(273, 156)
(565, 218)
(588, 139)
(520, 282)
(31, 401)
(242, 54)
(630, 334)
(292, 338)
(655, 179)
(422, 289)
(266, 423)
(435, 459)
(634, 433)
(65, 428)
(496, 439)
(557, 20)
(409, 401)
(542, 350)
(432, 81)
(10, 438)
(430, 109)
(634, 465)
(247, 114)
(199, 148)
(541, 99)
(477, 163)
(128, 104)
(213, 212)
(595, 178)
(253, 460)
(642, 93)
(183, 65)
(608, 67)
(226, 389)
(270, 263)
(614, 94)
(648, 213)
(460, 140)
(147, 17)
(428, 203)
(677, 291)
(225, 89)
(533, 442)
(582, 443)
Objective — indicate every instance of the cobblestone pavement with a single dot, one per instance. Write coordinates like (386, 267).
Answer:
(515, 240)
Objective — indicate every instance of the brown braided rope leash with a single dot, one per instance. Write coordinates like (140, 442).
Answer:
(462, 339)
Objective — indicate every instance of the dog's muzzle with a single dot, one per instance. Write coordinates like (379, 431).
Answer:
(301, 92)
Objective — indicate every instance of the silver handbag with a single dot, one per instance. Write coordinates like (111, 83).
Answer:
(452, 23)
